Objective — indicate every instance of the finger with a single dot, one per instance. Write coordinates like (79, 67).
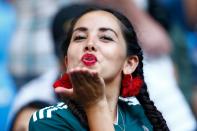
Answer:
(82, 81)
(93, 77)
(64, 91)
(82, 77)
(85, 81)
(91, 82)
(85, 76)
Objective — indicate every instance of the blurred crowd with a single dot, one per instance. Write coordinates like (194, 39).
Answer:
(30, 31)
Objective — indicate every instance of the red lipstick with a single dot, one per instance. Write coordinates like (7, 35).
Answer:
(89, 59)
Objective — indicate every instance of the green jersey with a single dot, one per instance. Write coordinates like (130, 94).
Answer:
(130, 117)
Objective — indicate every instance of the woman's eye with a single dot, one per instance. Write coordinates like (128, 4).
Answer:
(78, 38)
(106, 38)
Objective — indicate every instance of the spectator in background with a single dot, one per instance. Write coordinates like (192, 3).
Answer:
(31, 50)
(179, 18)
(191, 34)
(7, 86)
(170, 14)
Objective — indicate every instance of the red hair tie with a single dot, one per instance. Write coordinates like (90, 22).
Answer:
(64, 81)
(131, 87)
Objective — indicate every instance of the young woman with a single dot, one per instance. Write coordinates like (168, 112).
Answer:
(103, 61)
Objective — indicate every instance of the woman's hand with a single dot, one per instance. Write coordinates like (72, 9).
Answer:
(88, 87)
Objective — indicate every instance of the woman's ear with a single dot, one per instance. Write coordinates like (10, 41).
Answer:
(130, 64)
(65, 61)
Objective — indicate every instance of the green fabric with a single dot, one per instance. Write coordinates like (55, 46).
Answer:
(59, 117)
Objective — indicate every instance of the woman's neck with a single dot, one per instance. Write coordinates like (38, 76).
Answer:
(112, 93)
(112, 103)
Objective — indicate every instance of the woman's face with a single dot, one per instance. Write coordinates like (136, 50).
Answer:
(97, 43)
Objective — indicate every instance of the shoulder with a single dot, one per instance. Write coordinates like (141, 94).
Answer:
(46, 113)
(132, 105)
(51, 118)
(134, 112)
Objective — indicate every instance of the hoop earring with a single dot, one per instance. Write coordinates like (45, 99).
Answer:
(63, 81)
(131, 86)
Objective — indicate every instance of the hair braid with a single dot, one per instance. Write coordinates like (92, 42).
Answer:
(155, 116)
(78, 111)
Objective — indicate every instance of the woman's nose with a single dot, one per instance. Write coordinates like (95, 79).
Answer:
(90, 46)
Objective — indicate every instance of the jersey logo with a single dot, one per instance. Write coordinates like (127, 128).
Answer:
(47, 111)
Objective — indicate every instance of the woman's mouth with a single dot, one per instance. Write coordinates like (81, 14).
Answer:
(89, 59)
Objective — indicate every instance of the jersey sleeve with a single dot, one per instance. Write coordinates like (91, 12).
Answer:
(47, 119)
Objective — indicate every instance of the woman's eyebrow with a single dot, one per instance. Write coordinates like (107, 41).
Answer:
(83, 29)
(103, 29)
